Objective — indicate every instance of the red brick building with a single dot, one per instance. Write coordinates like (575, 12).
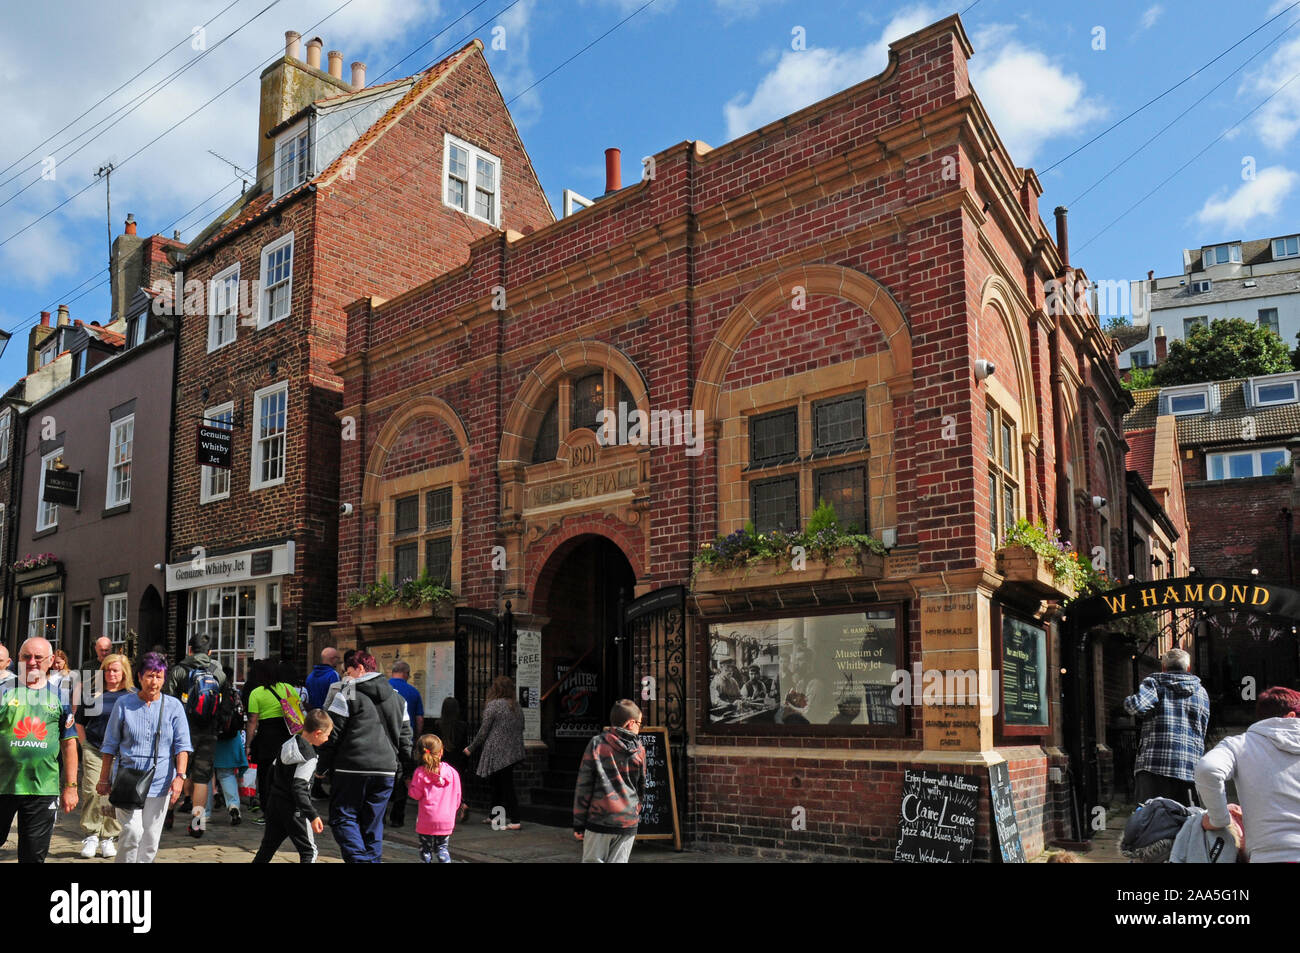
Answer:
(821, 296)
(347, 202)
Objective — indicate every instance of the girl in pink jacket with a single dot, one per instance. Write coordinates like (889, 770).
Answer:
(436, 786)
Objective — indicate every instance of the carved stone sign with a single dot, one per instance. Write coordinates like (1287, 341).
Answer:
(587, 486)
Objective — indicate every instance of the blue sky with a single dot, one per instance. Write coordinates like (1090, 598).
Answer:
(680, 69)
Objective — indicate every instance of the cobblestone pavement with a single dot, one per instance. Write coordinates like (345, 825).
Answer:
(473, 842)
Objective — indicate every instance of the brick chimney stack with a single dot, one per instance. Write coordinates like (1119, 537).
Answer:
(288, 86)
(1162, 344)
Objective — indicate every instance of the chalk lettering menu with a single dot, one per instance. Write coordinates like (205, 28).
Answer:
(937, 824)
(659, 808)
(1004, 814)
(1024, 673)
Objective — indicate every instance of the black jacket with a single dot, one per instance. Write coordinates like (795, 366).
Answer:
(291, 776)
(372, 733)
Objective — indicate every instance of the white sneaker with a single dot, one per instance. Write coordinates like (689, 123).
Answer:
(109, 848)
(89, 846)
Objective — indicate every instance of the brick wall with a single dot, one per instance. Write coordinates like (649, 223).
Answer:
(1237, 526)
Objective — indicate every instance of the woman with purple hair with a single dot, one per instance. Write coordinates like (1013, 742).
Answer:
(130, 738)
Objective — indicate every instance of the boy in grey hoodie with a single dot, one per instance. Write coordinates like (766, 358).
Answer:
(1265, 762)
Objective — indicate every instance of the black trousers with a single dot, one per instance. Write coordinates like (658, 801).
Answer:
(281, 822)
(503, 793)
(1148, 784)
(36, 816)
(397, 805)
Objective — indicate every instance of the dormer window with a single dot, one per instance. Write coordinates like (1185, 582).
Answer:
(1222, 254)
(136, 329)
(1272, 391)
(471, 180)
(1194, 402)
(78, 364)
(292, 159)
(47, 354)
(1288, 247)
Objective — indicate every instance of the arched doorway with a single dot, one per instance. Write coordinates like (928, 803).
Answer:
(151, 621)
(582, 672)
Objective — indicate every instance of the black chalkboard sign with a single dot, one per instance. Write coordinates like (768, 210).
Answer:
(659, 809)
(938, 818)
(1004, 814)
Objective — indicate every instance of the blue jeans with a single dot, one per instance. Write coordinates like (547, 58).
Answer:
(357, 803)
(228, 778)
(432, 845)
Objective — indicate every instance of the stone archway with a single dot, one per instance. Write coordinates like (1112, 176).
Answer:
(854, 286)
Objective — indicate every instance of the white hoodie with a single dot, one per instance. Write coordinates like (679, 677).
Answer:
(1265, 761)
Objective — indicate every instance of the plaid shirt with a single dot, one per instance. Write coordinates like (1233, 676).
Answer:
(1174, 710)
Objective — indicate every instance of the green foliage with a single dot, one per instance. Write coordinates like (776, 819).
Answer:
(823, 539)
(1117, 322)
(1282, 469)
(1066, 565)
(1224, 350)
(1140, 378)
(412, 593)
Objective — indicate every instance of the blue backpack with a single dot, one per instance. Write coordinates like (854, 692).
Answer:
(202, 697)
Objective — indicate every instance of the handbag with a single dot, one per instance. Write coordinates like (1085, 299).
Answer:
(131, 785)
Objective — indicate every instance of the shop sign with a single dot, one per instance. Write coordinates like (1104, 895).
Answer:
(1197, 592)
(213, 447)
(206, 570)
(62, 487)
(938, 818)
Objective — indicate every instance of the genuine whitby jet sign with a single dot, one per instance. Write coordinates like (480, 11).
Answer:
(1188, 592)
(212, 447)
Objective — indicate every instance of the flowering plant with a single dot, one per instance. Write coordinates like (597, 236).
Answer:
(823, 539)
(1067, 566)
(411, 593)
(39, 561)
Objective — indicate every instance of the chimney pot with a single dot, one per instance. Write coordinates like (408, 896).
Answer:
(1063, 234)
(336, 64)
(358, 75)
(613, 170)
(176, 234)
(1151, 276)
(313, 52)
(291, 43)
(63, 315)
(130, 224)
(45, 319)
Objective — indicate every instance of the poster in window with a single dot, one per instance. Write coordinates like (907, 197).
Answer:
(814, 670)
(1024, 673)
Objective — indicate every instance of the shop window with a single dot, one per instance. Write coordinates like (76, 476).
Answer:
(839, 424)
(406, 562)
(774, 504)
(774, 437)
(822, 670)
(845, 489)
(227, 615)
(1004, 484)
(43, 618)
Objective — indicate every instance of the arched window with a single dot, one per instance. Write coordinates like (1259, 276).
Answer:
(576, 403)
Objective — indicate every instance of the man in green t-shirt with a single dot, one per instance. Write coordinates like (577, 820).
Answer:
(35, 721)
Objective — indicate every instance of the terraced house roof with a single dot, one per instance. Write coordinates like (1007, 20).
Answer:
(1224, 425)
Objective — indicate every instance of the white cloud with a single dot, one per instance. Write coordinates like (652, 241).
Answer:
(512, 66)
(1150, 15)
(1278, 121)
(1002, 70)
(803, 77)
(1257, 198)
(1058, 107)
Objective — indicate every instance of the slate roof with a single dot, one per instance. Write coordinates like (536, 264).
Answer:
(1226, 289)
(1217, 428)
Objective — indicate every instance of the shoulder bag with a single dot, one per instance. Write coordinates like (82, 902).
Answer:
(131, 785)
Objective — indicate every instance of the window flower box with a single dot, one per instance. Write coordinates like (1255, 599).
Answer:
(1031, 571)
(396, 612)
(844, 563)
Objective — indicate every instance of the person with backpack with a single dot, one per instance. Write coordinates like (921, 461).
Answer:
(197, 682)
(290, 812)
(370, 743)
(274, 716)
(229, 758)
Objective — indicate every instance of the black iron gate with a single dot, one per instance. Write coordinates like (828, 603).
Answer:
(651, 647)
(485, 648)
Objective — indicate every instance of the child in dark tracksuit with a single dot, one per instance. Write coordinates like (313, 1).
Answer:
(611, 789)
(290, 812)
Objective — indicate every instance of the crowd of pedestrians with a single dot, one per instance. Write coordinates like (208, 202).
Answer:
(137, 745)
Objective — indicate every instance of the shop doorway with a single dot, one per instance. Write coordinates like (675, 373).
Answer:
(581, 665)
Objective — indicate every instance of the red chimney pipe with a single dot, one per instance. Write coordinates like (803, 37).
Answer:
(45, 319)
(130, 224)
(1063, 235)
(613, 170)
